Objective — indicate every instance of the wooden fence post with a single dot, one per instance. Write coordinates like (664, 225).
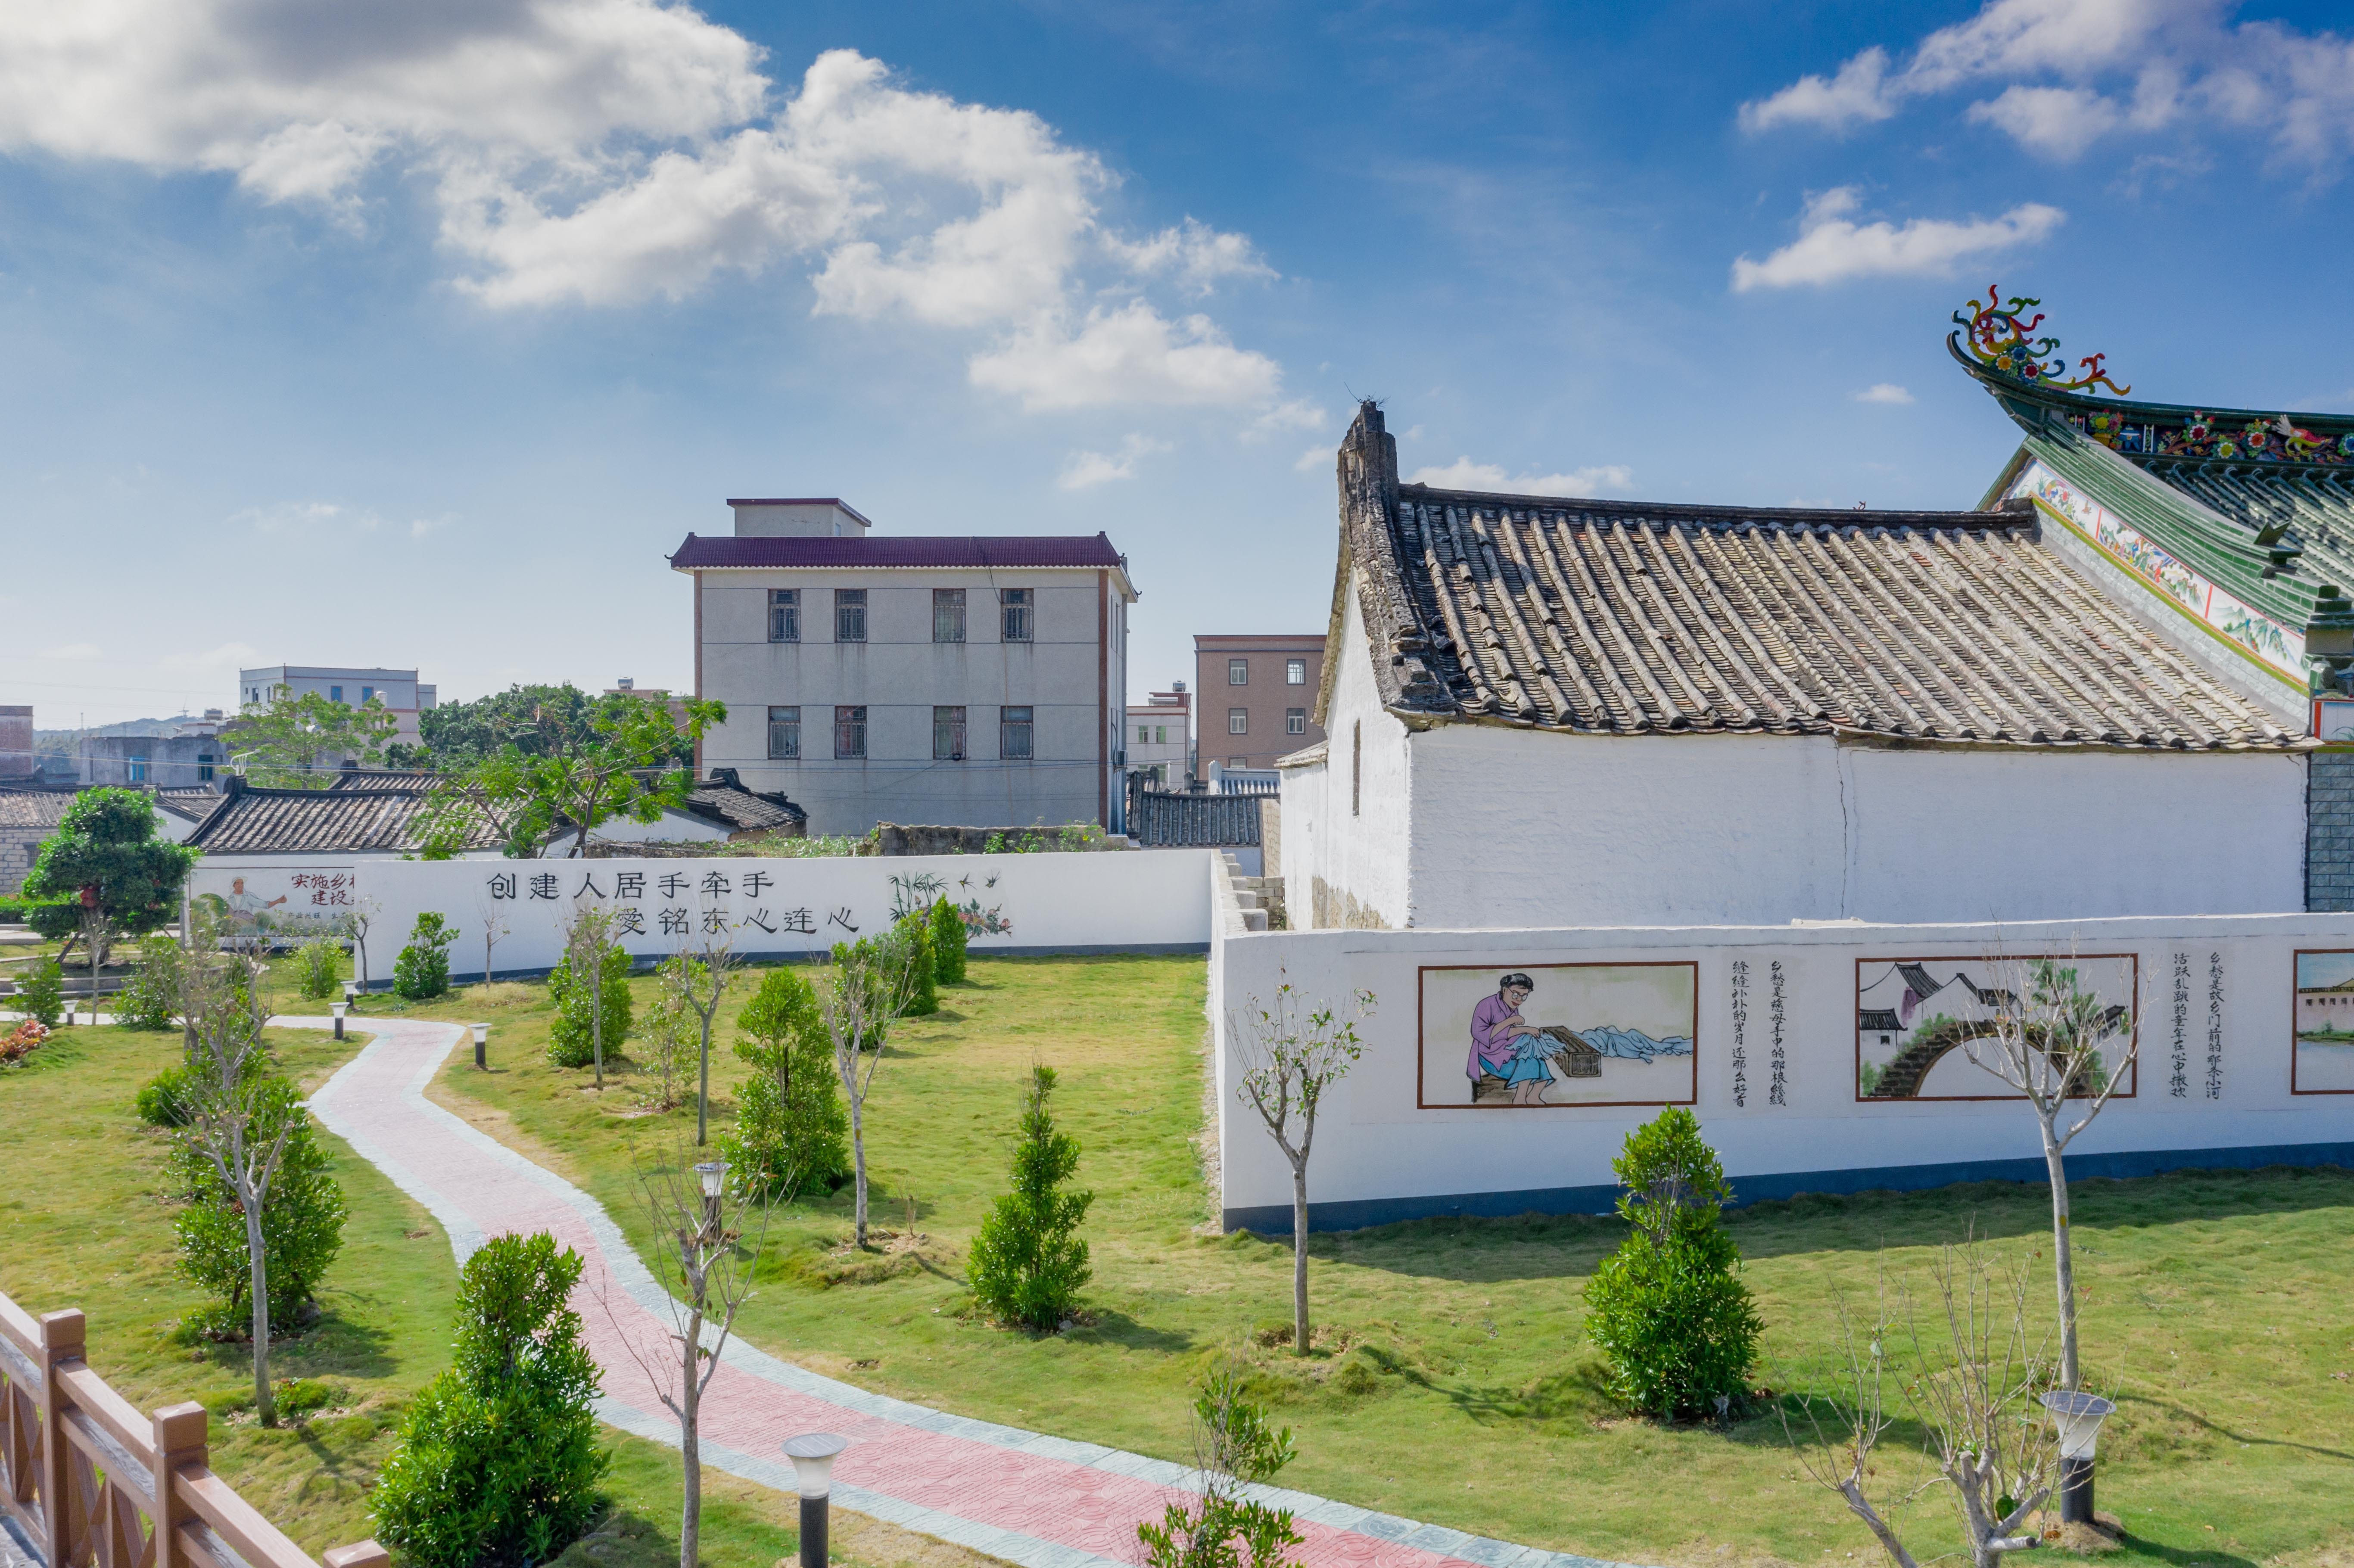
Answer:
(63, 1337)
(181, 1440)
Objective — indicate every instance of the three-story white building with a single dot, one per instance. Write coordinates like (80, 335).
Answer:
(958, 681)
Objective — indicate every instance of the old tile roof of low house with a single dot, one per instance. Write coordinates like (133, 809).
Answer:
(414, 781)
(248, 820)
(1624, 618)
(724, 800)
(189, 803)
(33, 808)
(708, 553)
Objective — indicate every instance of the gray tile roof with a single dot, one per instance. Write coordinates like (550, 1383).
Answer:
(319, 821)
(33, 807)
(728, 804)
(1626, 618)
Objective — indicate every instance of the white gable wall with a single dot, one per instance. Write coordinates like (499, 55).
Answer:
(1359, 854)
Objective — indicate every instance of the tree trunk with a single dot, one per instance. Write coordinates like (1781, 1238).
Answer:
(1300, 1258)
(690, 1444)
(2063, 1262)
(858, 1160)
(703, 1082)
(265, 1406)
(597, 1015)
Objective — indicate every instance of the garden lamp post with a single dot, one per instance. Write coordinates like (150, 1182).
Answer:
(812, 1455)
(2078, 1415)
(351, 993)
(481, 1040)
(338, 1008)
(713, 1173)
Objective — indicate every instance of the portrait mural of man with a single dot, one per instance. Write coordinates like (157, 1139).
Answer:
(1558, 1035)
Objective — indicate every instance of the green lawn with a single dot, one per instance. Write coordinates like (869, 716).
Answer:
(1458, 1386)
(84, 1222)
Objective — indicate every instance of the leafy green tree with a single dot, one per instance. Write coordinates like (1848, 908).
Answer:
(949, 936)
(621, 762)
(319, 967)
(791, 1132)
(422, 969)
(498, 1462)
(41, 994)
(301, 742)
(1668, 1310)
(1235, 1443)
(589, 1022)
(104, 873)
(1028, 1262)
(455, 736)
(301, 1216)
(915, 930)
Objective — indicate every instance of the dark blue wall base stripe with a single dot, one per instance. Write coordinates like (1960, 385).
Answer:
(1276, 1220)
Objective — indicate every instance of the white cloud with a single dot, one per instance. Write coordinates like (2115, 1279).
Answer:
(1313, 459)
(227, 656)
(1299, 414)
(604, 152)
(1084, 470)
(1465, 474)
(2075, 71)
(306, 517)
(1831, 247)
(1883, 392)
(72, 651)
(1132, 355)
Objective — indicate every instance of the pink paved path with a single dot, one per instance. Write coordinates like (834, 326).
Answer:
(1041, 1502)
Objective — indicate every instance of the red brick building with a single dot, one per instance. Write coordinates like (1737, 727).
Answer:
(1255, 697)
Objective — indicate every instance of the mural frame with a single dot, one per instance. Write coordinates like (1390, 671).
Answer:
(1421, 1025)
(2296, 955)
(1855, 1073)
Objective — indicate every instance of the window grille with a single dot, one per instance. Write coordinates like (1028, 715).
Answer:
(1237, 672)
(784, 615)
(785, 733)
(850, 615)
(138, 770)
(1015, 734)
(1294, 672)
(948, 615)
(948, 733)
(850, 731)
(1238, 721)
(1295, 721)
(1014, 607)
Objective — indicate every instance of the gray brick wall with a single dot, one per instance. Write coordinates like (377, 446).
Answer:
(2330, 831)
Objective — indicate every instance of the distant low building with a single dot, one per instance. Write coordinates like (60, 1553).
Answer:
(399, 690)
(1160, 738)
(182, 753)
(1256, 695)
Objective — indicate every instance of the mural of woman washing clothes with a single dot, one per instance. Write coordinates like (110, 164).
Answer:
(1557, 1035)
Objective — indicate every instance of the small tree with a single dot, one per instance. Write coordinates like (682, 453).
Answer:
(915, 930)
(1028, 1262)
(1668, 1310)
(298, 742)
(871, 980)
(697, 1242)
(592, 1004)
(949, 937)
(41, 994)
(421, 972)
(790, 1128)
(104, 873)
(1234, 1445)
(301, 1218)
(365, 913)
(699, 978)
(1971, 1385)
(583, 1005)
(319, 967)
(494, 927)
(147, 1000)
(2046, 1043)
(498, 1460)
(666, 1035)
(1291, 1053)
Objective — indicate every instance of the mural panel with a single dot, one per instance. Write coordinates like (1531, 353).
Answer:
(2322, 1058)
(288, 904)
(1559, 1034)
(1917, 1019)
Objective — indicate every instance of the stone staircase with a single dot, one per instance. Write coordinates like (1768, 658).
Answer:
(1260, 896)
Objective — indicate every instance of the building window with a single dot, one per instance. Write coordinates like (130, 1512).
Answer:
(1295, 721)
(334, 694)
(785, 733)
(850, 731)
(1237, 672)
(367, 695)
(138, 770)
(948, 615)
(850, 617)
(784, 615)
(1013, 610)
(1294, 672)
(1238, 721)
(205, 761)
(1014, 734)
(947, 729)
(1144, 735)
(1356, 767)
(1160, 735)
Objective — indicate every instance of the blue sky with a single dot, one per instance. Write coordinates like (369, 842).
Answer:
(419, 334)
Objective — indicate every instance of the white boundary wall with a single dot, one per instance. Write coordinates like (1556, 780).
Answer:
(1131, 901)
(1379, 1158)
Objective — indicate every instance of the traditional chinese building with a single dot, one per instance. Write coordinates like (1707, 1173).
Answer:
(1549, 712)
(951, 681)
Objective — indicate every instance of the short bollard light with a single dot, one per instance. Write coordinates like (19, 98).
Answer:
(812, 1454)
(2078, 1415)
(713, 1173)
(337, 1008)
(351, 993)
(482, 1039)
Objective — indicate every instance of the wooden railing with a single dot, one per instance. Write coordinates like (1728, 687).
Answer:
(93, 1481)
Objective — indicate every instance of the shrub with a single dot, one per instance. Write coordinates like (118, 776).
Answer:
(1233, 1442)
(151, 996)
(1028, 1262)
(42, 995)
(302, 1222)
(1668, 1310)
(319, 967)
(163, 1099)
(498, 1463)
(792, 1131)
(915, 930)
(948, 943)
(22, 1041)
(570, 1043)
(422, 969)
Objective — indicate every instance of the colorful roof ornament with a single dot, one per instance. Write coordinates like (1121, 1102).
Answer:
(1998, 339)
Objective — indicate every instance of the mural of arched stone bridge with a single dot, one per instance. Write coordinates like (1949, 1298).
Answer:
(1916, 1018)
